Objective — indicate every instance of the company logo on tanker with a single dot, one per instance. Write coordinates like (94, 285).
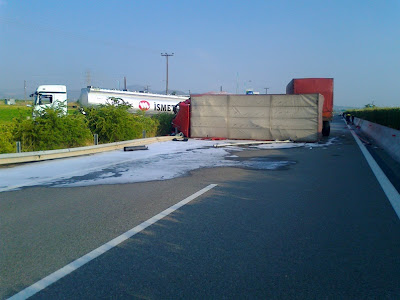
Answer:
(144, 105)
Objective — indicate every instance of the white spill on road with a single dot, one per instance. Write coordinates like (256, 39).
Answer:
(161, 161)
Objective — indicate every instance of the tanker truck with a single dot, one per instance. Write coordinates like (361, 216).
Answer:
(148, 102)
(55, 96)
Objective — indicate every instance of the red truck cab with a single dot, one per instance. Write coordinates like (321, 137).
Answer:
(181, 122)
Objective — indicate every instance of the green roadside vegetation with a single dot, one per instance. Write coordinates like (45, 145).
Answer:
(73, 107)
(9, 112)
(51, 130)
(385, 116)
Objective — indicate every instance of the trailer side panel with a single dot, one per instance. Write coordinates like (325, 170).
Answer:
(257, 117)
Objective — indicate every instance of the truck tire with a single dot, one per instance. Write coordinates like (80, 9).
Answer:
(326, 128)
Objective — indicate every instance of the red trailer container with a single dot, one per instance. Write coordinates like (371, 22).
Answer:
(323, 86)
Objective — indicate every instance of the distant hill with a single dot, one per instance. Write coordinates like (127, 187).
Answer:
(73, 95)
(139, 88)
(13, 94)
(343, 108)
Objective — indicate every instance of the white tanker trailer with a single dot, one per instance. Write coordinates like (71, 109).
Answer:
(150, 103)
(56, 96)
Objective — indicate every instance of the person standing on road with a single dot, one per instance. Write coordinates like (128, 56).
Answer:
(348, 118)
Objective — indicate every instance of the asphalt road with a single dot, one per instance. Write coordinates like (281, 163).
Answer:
(320, 227)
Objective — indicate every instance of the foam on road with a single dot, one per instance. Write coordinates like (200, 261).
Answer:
(162, 161)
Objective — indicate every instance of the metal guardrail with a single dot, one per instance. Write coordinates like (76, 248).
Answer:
(15, 158)
(387, 138)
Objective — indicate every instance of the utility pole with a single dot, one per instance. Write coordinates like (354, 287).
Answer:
(237, 82)
(24, 89)
(88, 78)
(167, 55)
(266, 90)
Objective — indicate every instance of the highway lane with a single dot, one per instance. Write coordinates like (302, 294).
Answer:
(319, 227)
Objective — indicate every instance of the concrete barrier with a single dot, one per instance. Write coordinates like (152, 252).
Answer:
(387, 138)
(15, 158)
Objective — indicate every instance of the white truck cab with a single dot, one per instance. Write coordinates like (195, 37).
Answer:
(50, 96)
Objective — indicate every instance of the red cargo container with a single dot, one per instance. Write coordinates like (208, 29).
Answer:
(323, 86)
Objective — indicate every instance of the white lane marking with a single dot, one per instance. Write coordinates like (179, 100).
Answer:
(45, 282)
(391, 193)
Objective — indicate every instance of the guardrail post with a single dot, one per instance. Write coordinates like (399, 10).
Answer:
(144, 134)
(96, 139)
(18, 147)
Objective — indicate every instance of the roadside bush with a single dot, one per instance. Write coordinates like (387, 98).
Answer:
(389, 117)
(165, 123)
(113, 122)
(150, 125)
(52, 131)
(7, 144)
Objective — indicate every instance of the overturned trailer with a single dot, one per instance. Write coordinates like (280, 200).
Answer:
(255, 117)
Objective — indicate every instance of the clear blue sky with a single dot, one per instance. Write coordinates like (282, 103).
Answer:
(233, 44)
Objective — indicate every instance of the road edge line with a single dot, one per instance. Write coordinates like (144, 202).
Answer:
(390, 191)
(60, 273)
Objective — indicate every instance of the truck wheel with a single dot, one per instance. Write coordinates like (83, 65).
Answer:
(326, 128)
